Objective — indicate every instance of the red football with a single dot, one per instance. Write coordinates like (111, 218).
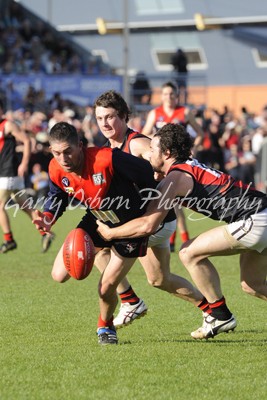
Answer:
(78, 254)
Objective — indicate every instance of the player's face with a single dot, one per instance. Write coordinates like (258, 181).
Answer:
(156, 158)
(168, 97)
(110, 124)
(69, 156)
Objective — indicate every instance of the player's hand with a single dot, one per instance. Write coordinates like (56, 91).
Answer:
(42, 221)
(104, 231)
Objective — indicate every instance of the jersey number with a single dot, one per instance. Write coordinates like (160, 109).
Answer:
(105, 216)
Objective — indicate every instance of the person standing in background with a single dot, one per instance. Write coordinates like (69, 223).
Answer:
(170, 111)
(179, 62)
(12, 172)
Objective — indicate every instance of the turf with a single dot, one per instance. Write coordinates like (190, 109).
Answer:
(49, 346)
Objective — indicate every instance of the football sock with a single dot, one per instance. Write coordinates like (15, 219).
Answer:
(129, 296)
(184, 236)
(172, 238)
(8, 237)
(219, 310)
(104, 324)
(204, 306)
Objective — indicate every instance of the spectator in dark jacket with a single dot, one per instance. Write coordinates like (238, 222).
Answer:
(179, 62)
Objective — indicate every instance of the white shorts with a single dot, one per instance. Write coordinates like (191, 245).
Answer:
(12, 183)
(161, 238)
(250, 233)
(10, 186)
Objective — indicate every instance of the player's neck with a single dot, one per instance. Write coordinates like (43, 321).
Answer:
(118, 141)
(169, 108)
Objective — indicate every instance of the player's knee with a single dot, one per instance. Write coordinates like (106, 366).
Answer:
(156, 282)
(106, 289)
(249, 288)
(188, 254)
(185, 254)
(57, 276)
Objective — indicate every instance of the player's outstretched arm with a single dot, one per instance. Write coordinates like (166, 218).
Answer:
(136, 228)
(157, 209)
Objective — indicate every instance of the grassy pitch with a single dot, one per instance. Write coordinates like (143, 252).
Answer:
(49, 346)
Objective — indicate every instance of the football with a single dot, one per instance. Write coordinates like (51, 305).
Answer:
(78, 254)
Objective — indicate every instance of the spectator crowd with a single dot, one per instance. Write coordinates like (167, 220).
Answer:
(230, 143)
(29, 45)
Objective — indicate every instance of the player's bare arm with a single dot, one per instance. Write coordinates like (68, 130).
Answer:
(140, 147)
(149, 125)
(190, 119)
(22, 137)
(161, 201)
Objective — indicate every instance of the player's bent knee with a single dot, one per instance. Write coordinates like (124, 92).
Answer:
(106, 289)
(255, 288)
(248, 289)
(60, 277)
(157, 283)
(188, 255)
(185, 254)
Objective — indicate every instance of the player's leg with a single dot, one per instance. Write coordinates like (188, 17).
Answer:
(8, 240)
(157, 268)
(181, 227)
(194, 255)
(4, 219)
(115, 271)
(102, 259)
(253, 272)
(59, 272)
(131, 305)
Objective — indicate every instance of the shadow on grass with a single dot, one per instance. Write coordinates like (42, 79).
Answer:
(211, 341)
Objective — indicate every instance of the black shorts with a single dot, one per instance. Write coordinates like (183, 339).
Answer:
(128, 248)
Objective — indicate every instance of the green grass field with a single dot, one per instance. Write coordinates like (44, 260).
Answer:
(49, 346)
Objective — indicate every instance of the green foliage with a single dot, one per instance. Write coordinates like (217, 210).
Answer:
(48, 342)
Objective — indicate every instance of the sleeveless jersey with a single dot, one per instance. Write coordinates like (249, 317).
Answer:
(8, 157)
(107, 187)
(177, 117)
(130, 134)
(217, 195)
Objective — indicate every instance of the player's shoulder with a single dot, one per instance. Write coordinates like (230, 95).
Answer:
(140, 143)
(97, 150)
(98, 157)
(7, 126)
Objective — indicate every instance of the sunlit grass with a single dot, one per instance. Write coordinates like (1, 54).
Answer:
(49, 346)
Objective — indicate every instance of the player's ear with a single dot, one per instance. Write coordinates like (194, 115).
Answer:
(167, 154)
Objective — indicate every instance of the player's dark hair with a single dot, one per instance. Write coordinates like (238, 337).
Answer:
(64, 132)
(176, 139)
(113, 99)
(170, 85)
